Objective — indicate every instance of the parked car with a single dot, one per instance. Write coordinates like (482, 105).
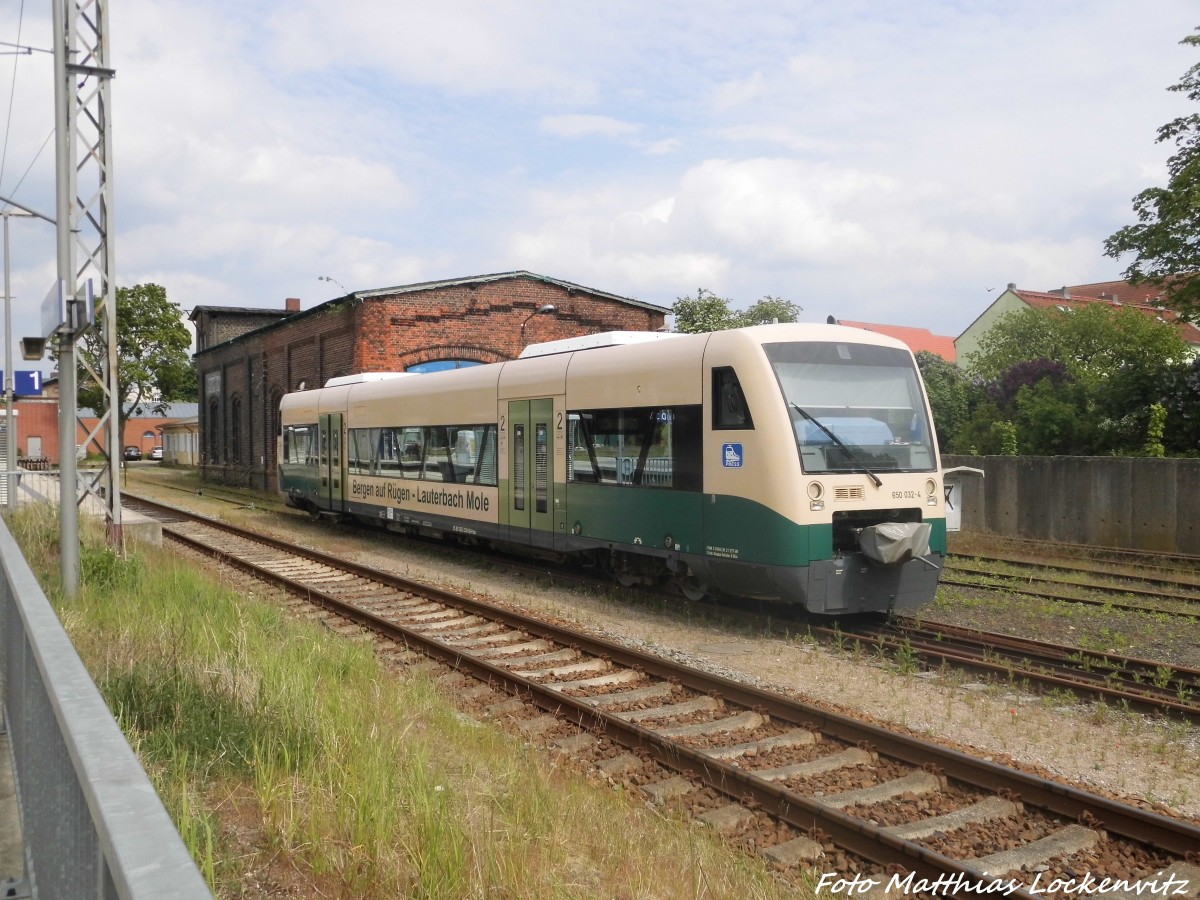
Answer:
(156, 453)
(133, 452)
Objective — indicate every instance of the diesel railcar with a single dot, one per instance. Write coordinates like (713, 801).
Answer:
(787, 462)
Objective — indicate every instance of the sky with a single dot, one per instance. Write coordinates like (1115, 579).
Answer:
(891, 161)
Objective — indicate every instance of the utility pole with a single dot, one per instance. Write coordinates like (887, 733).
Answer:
(10, 436)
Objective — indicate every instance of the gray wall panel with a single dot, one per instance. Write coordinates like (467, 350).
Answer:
(1135, 503)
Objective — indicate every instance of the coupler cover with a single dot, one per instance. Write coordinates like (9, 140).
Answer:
(894, 543)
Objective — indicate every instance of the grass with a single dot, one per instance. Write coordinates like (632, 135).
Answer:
(292, 761)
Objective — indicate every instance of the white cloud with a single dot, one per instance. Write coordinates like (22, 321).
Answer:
(578, 125)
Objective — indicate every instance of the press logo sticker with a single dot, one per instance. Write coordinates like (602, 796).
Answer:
(731, 456)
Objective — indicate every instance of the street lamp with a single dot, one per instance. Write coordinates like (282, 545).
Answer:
(546, 308)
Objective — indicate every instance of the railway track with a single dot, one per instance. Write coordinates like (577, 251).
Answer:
(1025, 551)
(1126, 681)
(798, 782)
(1124, 585)
(1178, 577)
(1018, 585)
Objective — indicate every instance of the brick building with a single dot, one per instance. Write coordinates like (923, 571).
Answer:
(248, 359)
(37, 421)
(35, 427)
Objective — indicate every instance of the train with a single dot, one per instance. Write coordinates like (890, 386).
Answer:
(790, 463)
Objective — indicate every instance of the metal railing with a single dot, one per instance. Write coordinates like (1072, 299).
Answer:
(93, 825)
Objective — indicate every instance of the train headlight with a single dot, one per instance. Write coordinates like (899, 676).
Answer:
(816, 494)
(930, 487)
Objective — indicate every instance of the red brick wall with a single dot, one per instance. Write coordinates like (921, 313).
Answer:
(37, 418)
(133, 434)
(483, 322)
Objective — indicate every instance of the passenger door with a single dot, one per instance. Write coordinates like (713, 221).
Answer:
(333, 478)
(529, 493)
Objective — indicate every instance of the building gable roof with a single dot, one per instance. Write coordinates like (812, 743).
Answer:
(917, 339)
(507, 276)
(1067, 299)
(359, 296)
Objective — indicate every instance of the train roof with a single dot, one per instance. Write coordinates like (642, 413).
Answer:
(594, 341)
(361, 377)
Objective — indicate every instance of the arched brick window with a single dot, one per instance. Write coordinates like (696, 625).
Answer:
(235, 430)
(214, 432)
(439, 365)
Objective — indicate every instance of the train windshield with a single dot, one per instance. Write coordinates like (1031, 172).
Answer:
(854, 407)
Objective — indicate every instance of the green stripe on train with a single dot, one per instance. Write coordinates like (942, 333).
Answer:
(712, 525)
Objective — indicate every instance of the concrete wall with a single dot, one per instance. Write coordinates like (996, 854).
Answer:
(1135, 503)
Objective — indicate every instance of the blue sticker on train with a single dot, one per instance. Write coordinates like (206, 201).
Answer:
(731, 456)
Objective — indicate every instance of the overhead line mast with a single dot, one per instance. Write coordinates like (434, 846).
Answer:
(83, 76)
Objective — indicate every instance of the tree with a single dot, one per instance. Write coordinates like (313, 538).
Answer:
(154, 367)
(1181, 398)
(949, 391)
(771, 309)
(1166, 242)
(1096, 342)
(707, 312)
(1081, 381)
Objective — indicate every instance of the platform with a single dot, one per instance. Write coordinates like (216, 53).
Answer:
(41, 487)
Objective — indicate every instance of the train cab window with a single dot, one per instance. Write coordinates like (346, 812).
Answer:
(730, 410)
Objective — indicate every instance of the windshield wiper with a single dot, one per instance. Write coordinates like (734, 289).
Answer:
(837, 440)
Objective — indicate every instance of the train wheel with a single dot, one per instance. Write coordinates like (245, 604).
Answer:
(691, 587)
(623, 571)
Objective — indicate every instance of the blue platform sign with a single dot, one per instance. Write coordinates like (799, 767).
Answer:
(731, 456)
(25, 384)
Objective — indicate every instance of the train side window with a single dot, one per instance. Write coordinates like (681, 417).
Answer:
(297, 444)
(437, 455)
(686, 448)
(581, 458)
(486, 472)
(388, 452)
(412, 451)
(657, 447)
(362, 442)
(730, 410)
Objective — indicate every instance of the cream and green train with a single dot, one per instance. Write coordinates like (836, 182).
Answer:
(787, 462)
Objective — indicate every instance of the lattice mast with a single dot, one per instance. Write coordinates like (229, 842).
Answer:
(83, 111)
